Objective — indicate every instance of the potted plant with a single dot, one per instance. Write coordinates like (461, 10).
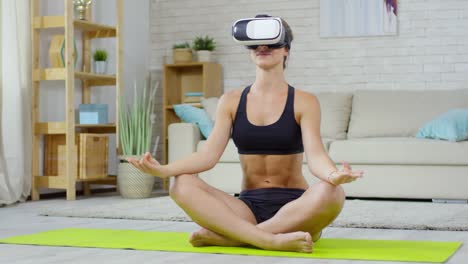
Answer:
(135, 133)
(181, 52)
(204, 47)
(100, 61)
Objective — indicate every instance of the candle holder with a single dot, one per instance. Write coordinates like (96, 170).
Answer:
(80, 8)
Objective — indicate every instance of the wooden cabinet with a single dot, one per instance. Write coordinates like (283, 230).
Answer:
(69, 129)
(182, 78)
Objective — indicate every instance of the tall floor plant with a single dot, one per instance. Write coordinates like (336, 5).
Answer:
(135, 133)
(135, 127)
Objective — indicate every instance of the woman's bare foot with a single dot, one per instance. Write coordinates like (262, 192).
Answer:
(205, 237)
(296, 241)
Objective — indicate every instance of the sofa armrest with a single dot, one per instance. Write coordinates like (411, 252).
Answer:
(183, 139)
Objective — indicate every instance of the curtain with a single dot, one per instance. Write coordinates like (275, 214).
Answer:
(15, 101)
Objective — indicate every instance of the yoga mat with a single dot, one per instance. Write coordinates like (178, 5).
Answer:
(329, 248)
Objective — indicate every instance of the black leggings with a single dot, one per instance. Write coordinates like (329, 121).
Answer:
(266, 202)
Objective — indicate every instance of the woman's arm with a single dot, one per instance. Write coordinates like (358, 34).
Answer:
(202, 160)
(318, 161)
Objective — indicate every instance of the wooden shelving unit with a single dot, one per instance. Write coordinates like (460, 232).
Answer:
(179, 78)
(68, 74)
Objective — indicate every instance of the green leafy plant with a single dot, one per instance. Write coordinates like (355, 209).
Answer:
(204, 43)
(184, 45)
(100, 55)
(135, 126)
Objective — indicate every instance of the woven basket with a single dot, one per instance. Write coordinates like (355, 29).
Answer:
(133, 183)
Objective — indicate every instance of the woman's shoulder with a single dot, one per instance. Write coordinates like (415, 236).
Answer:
(305, 100)
(229, 100)
(232, 96)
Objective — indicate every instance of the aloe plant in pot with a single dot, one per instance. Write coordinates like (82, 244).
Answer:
(135, 133)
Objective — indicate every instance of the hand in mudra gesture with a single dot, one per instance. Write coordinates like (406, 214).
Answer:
(148, 165)
(344, 175)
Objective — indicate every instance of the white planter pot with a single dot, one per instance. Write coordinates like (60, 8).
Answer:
(132, 183)
(204, 55)
(100, 67)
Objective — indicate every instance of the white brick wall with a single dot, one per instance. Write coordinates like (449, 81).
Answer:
(430, 51)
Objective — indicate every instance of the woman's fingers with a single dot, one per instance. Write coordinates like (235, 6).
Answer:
(346, 165)
(136, 163)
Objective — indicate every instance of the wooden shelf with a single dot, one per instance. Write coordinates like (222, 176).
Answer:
(103, 128)
(60, 74)
(93, 30)
(186, 64)
(50, 128)
(65, 147)
(192, 104)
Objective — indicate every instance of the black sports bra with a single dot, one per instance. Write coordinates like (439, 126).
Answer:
(280, 138)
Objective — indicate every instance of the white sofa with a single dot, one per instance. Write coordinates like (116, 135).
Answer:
(374, 131)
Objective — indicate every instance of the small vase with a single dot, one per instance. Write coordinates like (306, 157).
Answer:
(100, 67)
(204, 55)
(81, 6)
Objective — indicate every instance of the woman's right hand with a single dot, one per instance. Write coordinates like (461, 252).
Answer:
(149, 165)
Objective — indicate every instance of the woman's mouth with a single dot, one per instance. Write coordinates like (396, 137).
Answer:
(263, 53)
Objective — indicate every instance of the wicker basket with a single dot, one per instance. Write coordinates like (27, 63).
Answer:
(182, 55)
(132, 183)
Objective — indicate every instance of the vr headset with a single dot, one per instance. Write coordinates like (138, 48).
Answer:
(262, 30)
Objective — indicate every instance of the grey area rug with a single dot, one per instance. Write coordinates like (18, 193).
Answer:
(356, 213)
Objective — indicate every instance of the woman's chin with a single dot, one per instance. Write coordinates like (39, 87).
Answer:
(264, 64)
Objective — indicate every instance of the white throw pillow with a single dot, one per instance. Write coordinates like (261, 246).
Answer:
(335, 111)
(209, 105)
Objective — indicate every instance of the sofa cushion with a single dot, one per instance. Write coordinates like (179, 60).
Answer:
(230, 153)
(191, 114)
(335, 110)
(403, 151)
(451, 126)
(399, 113)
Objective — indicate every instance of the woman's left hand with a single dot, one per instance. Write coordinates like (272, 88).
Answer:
(344, 175)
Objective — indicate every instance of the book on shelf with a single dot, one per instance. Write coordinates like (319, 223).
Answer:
(193, 97)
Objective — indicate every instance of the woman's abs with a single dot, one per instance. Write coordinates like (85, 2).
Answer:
(266, 171)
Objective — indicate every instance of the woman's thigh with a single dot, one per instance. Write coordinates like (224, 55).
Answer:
(236, 205)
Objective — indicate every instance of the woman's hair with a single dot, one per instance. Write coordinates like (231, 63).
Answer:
(289, 38)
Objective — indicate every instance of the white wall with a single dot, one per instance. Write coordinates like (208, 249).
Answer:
(135, 57)
(430, 51)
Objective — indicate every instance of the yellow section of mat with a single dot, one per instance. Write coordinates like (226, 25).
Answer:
(326, 248)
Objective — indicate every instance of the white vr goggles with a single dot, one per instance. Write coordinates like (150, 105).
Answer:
(259, 31)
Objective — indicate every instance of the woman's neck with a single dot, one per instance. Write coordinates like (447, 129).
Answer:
(270, 79)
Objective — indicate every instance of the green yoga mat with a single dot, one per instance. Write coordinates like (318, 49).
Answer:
(390, 250)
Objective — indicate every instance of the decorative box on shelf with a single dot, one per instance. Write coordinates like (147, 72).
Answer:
(193, 97)
(92, 156)
(92, 114)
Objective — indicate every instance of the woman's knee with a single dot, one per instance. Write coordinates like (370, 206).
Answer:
(181, 186)
(330, 193)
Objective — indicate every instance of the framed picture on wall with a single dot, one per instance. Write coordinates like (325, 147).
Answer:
(358, 18)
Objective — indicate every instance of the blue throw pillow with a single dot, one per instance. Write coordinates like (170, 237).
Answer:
(451, 126)
(192, 114)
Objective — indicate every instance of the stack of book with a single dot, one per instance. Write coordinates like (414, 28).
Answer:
(193, 97)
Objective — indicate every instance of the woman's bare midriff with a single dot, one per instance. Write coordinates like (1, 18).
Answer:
(267, 171)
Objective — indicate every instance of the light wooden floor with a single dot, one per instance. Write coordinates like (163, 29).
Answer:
(23, 219)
